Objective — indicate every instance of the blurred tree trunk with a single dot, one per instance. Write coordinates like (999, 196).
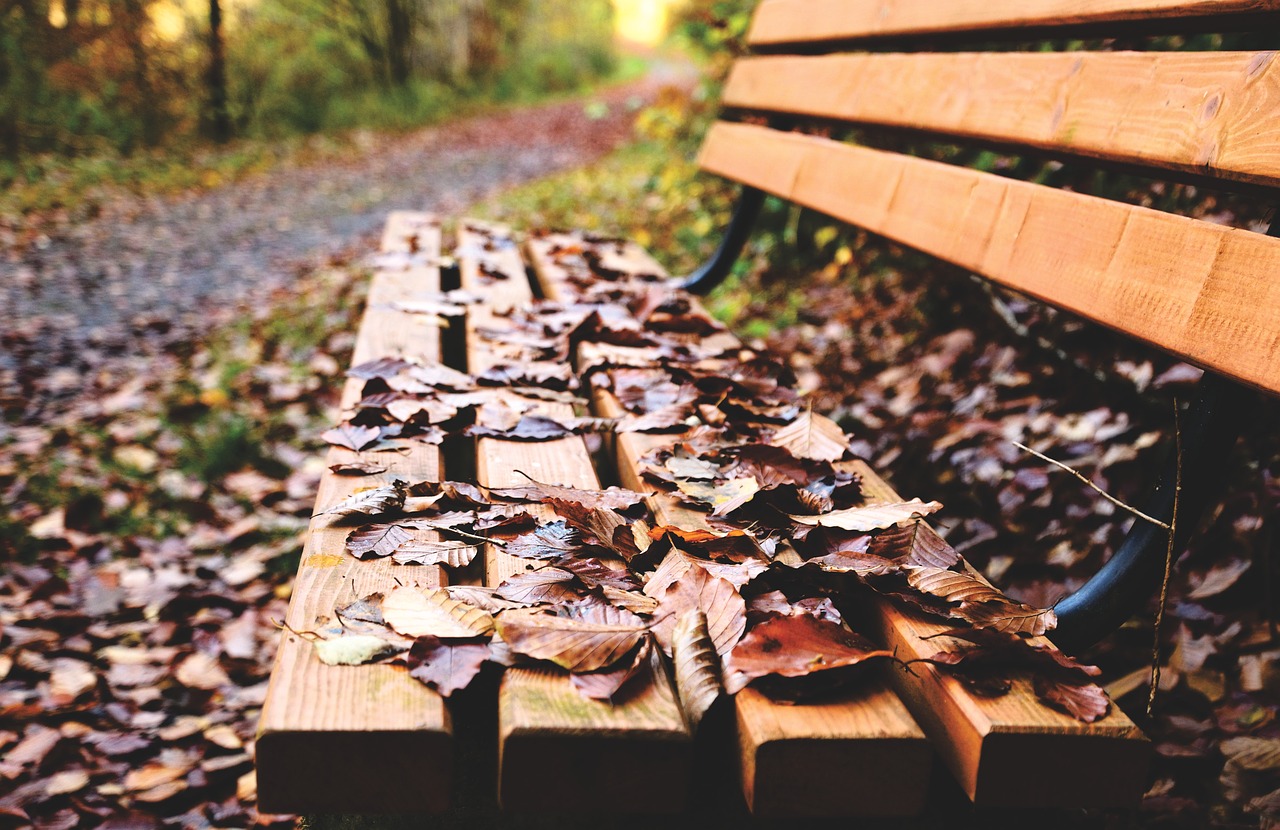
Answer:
(399, 19)
(133, 24)
(219, 118)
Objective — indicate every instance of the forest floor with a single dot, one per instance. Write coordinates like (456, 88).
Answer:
(167, 366)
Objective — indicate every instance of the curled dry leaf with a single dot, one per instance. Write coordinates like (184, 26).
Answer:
(433, 613)
(446, 666)
(980, 604)
(952, 586)
(722, 497)
(374, 502)
(795, 646)
(581, 639)
(608, 684)
(811, 436)
(871, 516)
(613, 498)
(697, 666)
(357, 468)
(355, 649)
(1083, 701)
(481, 597)
(914, 545)
(528, 428)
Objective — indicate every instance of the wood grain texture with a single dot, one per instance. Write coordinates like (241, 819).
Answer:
(1211, 114)
(778, 22)
(557, 750)
(1009, 751)
(794, 760)
(317, 715)
(1204, 292)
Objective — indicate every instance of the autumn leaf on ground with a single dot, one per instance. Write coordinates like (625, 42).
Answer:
(811, 436)
(376, 540)
(578, 638)
(697, 666)
(872, 516)
(795, 646)
(415, 613)
(608, 684)
(446, 666)
(352, 437)
(373, 502)
(717, 598)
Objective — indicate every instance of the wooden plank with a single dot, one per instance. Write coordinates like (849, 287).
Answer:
(317, 718)
(794, 760)
(557, 750)
(1009, 751)
(1202, 291)
(1213, 114)
(778, 22)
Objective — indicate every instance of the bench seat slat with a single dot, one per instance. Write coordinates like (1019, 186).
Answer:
(315, 715)
(1199, 290)
(557, 750)
(815, 21)
(1206, 114)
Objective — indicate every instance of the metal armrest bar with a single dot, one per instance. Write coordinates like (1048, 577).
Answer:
(713, 271)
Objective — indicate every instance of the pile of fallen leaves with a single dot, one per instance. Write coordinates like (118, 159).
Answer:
(150, 525)
(754, 591)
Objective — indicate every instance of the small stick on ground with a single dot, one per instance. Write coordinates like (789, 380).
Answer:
(1168, 559)
(1135, 511)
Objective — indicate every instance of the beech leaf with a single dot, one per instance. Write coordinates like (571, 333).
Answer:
(545, 585)
(1085, 702)
(872, 516)
(351, 436)
(581, 639)
(550, 541)
(415, 613)
(431, 552)
(357, 468)
(607, 684)
(376, 540)
(811, 436)
(916, 545)
(697, 667)
(613, 498)
(718, 599)
(952, 586)
(445, 666)
(795, 646)
(354, 649)
(374, 502)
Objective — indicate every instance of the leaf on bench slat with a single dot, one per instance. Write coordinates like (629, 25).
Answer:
(811, 436)
(434, 613)
(610, 683)
(373, 502)
(446, 666)
(795, 646)
(580, 639)
(697, 666)
(716, 598)
(872, 516)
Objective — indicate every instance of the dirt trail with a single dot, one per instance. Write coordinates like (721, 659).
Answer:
(150, 272)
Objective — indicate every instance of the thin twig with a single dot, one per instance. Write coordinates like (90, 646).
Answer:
(1168, 559)
(1135, 511)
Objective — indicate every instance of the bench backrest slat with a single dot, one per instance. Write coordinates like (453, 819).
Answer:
(1208, 114)
(786, 22)
(1200, 290)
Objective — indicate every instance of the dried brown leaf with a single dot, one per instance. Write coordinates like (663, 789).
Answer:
(608, 684)
(811, 436)
(415, 613)
(697, 666)
(446, 666)
(717, 598)
(872, 516)
(580, 639)
(376, 540)
(795, 646)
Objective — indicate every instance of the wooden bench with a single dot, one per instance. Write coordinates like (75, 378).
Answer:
(369, 738)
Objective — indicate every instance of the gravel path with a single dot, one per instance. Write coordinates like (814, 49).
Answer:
(150, 272)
